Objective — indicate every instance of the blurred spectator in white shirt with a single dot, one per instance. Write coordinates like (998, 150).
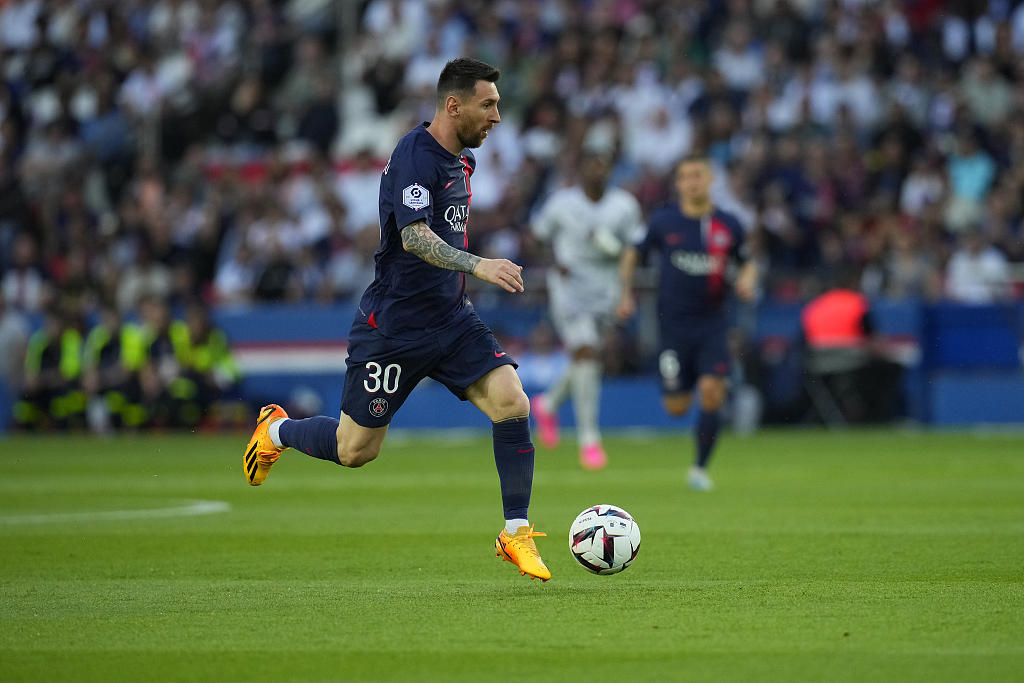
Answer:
(359, 189)
(397, 24)
(145, 277)
(849, 89)
(236, 277)
(739, 60)
(909, 90)
(23, 285)
(661, 143)
(987, 94)
(977, 273)
(18, 24)
(923, 186)
(425, 67)
(143, 89)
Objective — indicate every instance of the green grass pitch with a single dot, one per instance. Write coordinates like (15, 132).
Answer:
(858, 556)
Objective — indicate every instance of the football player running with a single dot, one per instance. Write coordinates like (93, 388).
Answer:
(587, 227)
(701, 253)
(415, 321)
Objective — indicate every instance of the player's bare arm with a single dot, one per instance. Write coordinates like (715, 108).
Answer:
(418, 239)
(627, 269)
(746, 281)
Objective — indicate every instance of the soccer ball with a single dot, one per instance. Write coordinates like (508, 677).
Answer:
(604, 539)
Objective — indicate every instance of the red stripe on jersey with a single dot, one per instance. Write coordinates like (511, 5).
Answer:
(719, 242)
(371, 322)
(469, 202)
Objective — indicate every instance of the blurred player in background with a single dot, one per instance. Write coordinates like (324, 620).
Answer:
(701, 251)
(415, 321)
(587, 227)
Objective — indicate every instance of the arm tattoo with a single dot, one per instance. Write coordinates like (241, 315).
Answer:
(420, 240)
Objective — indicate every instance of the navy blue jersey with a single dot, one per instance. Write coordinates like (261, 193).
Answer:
(422, 181)
(695, 257)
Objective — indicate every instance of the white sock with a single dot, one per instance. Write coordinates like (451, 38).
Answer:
(585, 377)
(512, 525)
(556, 394)
(275, 431)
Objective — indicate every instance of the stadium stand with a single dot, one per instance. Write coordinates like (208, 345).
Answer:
(227, 154)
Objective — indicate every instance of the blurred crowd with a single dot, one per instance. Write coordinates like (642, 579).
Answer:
(197, 153)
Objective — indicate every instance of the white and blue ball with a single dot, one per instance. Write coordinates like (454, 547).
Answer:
(604, 539)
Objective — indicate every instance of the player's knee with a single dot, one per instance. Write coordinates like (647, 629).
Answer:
(584, 353)
(676, 406)
(357, 456)
(712, 393)
(512, 403)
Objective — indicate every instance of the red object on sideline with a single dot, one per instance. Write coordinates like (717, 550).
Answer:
(836, 319)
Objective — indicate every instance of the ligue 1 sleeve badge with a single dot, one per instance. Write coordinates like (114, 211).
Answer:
(378, 407)
(415, 196)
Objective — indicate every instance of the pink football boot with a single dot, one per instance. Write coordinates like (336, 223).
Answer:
(592, 457)
(547, 422)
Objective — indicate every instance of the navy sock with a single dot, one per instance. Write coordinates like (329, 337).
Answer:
(315, 436)
(706, 433)
(513, 454)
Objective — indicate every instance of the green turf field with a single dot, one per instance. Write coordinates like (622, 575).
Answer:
(863, 556)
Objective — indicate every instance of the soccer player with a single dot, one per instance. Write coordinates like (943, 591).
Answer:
(587, 227)
(700, 249)
(414, 320)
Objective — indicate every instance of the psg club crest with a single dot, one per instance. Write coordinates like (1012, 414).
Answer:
(416, 196)
(378, 407)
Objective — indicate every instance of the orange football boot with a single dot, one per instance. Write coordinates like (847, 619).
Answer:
(520, 550)
(261, 453)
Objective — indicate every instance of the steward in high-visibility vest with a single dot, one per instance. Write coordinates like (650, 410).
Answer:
(53, 367)
(208, 368)
(189, 365)
(113, 355)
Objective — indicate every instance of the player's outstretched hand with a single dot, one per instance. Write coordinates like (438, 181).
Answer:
(501, 272)
(626, 308)
(746, 284)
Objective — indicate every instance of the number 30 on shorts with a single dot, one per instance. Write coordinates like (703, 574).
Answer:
(389, 380)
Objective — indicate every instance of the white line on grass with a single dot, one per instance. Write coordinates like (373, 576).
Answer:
(188, 509)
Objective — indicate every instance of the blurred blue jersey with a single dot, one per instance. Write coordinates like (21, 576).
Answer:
(695, 255)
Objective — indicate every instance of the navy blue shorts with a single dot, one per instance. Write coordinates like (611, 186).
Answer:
(382, 372)
(692, 351)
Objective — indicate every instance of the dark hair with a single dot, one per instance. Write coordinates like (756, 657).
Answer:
(460, 75)
(694, 157)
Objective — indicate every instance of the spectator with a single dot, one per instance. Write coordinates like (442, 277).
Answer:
(354, 186)
(924, 186)
(739, 60)
(112, 356)
(235, 280)
(987, 94)
(14, 334)
(910, 271)
(977, 273)
(23, 286)
(971, 173)
(145, 277)
(303, 84)
(208, 372)
(50, 394)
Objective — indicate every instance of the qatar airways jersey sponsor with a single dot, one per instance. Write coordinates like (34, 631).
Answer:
(422, 182)
(696, 258)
